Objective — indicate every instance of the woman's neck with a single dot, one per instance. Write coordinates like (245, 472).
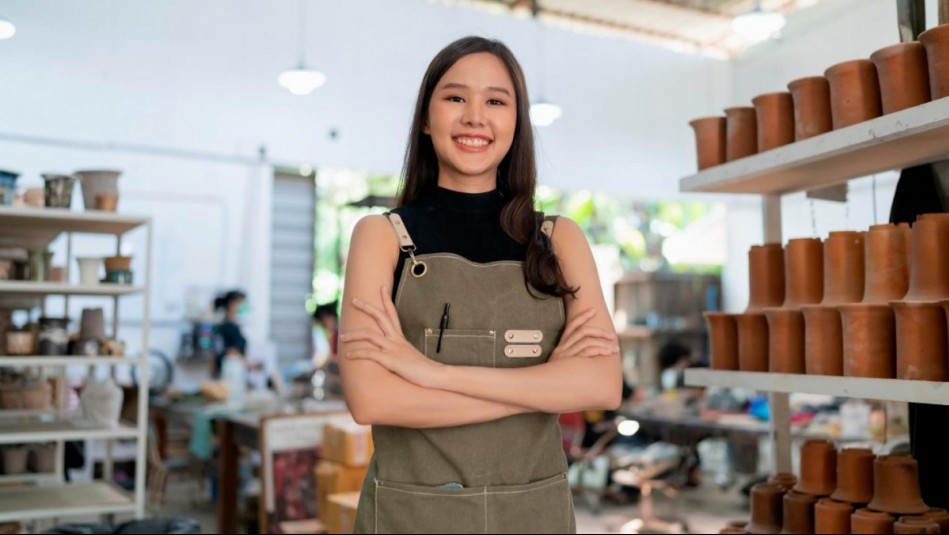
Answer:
(468, 184)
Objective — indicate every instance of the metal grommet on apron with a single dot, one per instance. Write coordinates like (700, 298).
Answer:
(406, 245)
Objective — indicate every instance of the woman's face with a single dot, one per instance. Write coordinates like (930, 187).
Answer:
(471, 120)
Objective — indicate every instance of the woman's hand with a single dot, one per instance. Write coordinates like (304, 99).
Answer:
(390, 349)
(580, 340)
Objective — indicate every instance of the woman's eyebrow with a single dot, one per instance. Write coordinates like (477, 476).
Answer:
(456, 85)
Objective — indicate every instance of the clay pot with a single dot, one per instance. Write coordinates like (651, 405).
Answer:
(741, 132)
(854, 92)
(904, 76)
(752, 342)
(803, 272)
(43, 458)
(709, 141)
(896, 486)
(766, 508)
(811, 97)
(886, 272)
(915, 524)
(929, 267)
(831, 516)
(818, 468)
(871, 522)
(921, 342)
(939, 516)
(118, 263)
(823, 341)
(775, 113)
(784, 480)
(854, 476)
(723, 340)
(936, 41)
(799, 513)
(732, 531)
(869, 337)
(844, 268)
(14, 459)
(786, 341)
(765, 276)
(107, 202)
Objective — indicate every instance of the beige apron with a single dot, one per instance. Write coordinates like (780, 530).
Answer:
(505, 476)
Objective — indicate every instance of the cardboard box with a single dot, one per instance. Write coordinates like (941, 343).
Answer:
(334, 478)
(347, 443)
(341, 513)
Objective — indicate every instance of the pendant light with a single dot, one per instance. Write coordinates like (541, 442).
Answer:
(759, 25)
(542, 112)
(7, 29)
(301, 80)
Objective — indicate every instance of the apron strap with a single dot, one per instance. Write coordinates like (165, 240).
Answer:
(547, 227)
(406, 245)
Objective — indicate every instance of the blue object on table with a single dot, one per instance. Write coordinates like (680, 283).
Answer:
(760, 409)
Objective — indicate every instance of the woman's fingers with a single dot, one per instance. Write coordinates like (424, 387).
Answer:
(587, 332)
(389, 307)
(577, 322)
(376, 339)
(379, 315)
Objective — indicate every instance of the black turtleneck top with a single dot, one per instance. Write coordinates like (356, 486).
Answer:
(466, 224)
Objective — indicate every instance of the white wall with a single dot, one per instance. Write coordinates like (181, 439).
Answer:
(833, 31)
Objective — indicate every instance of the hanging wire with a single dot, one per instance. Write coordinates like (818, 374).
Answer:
(874, 200)
(813, 219)
(302, 33)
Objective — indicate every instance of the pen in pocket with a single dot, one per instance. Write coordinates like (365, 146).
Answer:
(442, 327)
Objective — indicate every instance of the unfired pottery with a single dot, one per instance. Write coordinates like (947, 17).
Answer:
(887, 263)
(871, 522)
(896, 486)
(709, 141)
(904, 76)
(723, 340)
(775, 114)
(766, 508)
(929, 267)
(752, 342)
(936, 41)
(921, 341)
(854, 92)
(785, 341)
(798, 513)
(741, 129)
(832, 517)
(854, 476)
(818, 468)
(765, 276)
(811, 97)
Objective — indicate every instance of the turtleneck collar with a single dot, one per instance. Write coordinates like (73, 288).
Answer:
(466, 202)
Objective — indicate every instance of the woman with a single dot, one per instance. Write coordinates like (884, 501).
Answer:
(230, 341)
(463, 367)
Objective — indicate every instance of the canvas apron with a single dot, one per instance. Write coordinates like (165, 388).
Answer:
(505, 476)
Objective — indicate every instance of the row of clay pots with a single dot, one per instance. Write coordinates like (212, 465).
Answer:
(852, 491)
(893, 79)
(861, 304)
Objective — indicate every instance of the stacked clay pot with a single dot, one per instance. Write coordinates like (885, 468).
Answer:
(854, 92)
(775, 116)
(804, 279)
(936, 41)
(904, 76)
(843, 284)
(896, 490)
(871, 522)
(831, 516)
(710, 141)
(766, 508)
(812, 116)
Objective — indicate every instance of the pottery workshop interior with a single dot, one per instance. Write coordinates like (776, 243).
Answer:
(474, 266)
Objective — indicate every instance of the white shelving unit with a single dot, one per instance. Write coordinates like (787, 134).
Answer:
(911, 137)
(48, 495)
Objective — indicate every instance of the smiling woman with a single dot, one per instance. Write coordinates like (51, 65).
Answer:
(497, 324)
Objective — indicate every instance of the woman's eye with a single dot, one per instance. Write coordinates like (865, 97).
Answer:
(454, 98)
(496, 102)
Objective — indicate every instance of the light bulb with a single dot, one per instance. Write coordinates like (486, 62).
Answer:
(7, 29)
(759, 25)
(301, 81)
(545, 113)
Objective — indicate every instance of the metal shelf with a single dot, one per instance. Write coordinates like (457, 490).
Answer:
(51, 501)
(19, 432)
(849, 387)
(36, 227)
(40, 360)
(910, 137)
(40, 289)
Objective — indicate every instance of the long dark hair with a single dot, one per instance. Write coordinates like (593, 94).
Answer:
(517, 172)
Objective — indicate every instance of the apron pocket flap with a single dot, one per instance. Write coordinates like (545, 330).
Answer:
(402, 508)
(544, 506)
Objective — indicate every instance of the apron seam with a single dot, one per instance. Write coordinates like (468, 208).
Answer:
(485, 509)
(484, 491)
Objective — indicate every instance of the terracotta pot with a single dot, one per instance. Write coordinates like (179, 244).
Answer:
(709, 141)
(904, 76)
(803, 272)
(766, 508)
(765, 276)
(936, 41)
(854, 92)
(921, 342)
(871, 522)
(118, 263)
(811, 97)
(775, 113)
(939, 516)
(741, 131)
(844, 268)
(886, 272)
(752, 342)
(869, 338)
(732, 531)
(107, 202)
(854, 476)
(818, 468)
(799, 513)
(737, 524)
(896, 486)
(929, 268)
(784, 480)
(723, 340)
(785, 341)
(831, 516)
(823, 341)
(915, 524)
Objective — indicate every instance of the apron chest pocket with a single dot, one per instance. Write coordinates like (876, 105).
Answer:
(461, 347)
